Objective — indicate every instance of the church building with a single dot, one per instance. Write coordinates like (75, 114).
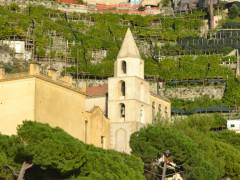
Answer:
(128, 101)
(104, 116)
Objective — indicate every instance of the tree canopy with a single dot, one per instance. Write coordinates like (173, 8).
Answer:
(201, 152)
(56, 155)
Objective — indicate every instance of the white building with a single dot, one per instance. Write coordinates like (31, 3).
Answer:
(19, 48)
(234, 125)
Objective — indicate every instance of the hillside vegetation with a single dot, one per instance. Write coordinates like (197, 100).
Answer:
(87, 32)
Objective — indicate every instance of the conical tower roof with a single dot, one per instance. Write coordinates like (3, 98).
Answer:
(129, 47)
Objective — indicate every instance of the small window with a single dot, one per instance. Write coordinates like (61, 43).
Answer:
(123, 88)
(124, 67)
(122, 110)
(232, 125)
(86, 130)
(103, 141)
(165, 109)
(159, 108)
(153, 110)
(166, 112)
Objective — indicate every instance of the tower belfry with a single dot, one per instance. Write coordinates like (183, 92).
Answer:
(129, 95)
(129, 61)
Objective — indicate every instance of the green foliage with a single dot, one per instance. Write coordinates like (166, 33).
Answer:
(234, 11)
(55, 154)
(92, 31)
(202, 153)
(202, 102)
(196, 67)
(188, 67)
(9, 148)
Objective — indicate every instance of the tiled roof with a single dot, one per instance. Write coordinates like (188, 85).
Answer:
(67, 1)
(97, 90)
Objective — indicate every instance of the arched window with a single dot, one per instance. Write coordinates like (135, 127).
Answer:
(122, 88)
(124, 67)
(122, 110)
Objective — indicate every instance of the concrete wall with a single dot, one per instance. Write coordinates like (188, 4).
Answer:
(16, 103)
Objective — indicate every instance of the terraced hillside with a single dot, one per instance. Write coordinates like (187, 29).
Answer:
(87, 33)
(84, 36)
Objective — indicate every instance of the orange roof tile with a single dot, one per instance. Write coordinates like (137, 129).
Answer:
(97, 90)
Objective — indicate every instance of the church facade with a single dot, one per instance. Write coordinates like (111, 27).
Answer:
(104, 116)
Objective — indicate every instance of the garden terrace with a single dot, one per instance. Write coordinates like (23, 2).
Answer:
(221, 42)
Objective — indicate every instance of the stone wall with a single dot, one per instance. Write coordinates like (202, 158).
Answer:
(192, 92)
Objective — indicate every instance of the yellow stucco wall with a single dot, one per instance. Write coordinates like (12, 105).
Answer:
(99, 128)
(63, 107)
(60, 107)
(16, 103)
(41, 99)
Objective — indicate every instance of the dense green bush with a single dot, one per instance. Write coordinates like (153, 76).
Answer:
(55, 154)
(201, 153)
(234, 11)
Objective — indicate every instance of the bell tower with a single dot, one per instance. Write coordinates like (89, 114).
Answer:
(129, 106)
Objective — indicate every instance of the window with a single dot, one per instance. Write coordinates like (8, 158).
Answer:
(153, 110)
(103, 141)
(166, 112)
(124, 67)
(159, 108)
(86, 130)
(232, 125)
(122, 110)
(122, 88)
(165, 109)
